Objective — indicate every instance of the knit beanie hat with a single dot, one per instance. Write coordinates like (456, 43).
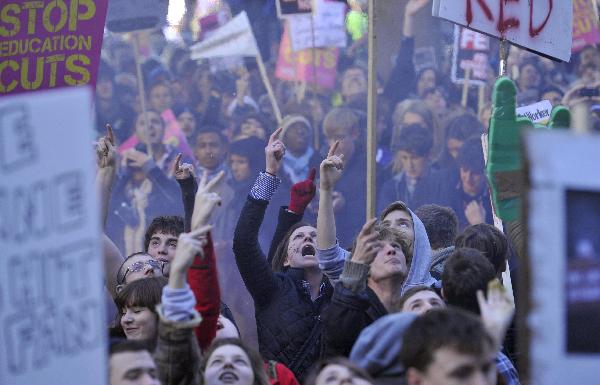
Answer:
(289, 120)
(378, 347)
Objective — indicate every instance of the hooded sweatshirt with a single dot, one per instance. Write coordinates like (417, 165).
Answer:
(331, 261)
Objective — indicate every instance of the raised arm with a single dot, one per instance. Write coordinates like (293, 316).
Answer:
(177, 353)
(347, 313)
(251, 261)
(402, 78)
(301, 194)
(106, 155)
(330, 255)
(202, 275)
(184, 175)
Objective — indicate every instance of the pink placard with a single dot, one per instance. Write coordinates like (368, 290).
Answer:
(300, 65)
(49, 43)
(586, 28)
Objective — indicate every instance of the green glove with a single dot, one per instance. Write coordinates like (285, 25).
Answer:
(505, 163)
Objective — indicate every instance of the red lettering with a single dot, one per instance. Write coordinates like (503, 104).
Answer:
(533, 32)
(512, 22)
(484, 7)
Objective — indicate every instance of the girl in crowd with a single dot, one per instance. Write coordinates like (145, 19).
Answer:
(229, 361)
(338, 371)
(137, 302)
(289, 296)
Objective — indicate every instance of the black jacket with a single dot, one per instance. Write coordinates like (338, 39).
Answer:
(354, 306)
(288, 322)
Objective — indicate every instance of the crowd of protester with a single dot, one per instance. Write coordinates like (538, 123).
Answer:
(236, 248)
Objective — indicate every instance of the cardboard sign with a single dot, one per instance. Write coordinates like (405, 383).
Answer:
(539, 112)
(49, 43)
(543, 26)
(52, 315)
(304, 67)
(133, 15)
(586, 26)
(286, 8)
(562, 289)
(326, 29)
(471, 50)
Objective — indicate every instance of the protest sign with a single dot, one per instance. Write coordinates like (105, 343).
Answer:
(586, 26)
(539, 112)
(326, 29)
(49, 43)
(133, 15)
(286, 8)
(562, 287)
(302, 66)
(543, 26)
(52, 316)
(232, 39)
(471, 51)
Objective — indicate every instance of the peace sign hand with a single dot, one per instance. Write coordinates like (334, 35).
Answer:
(207, 199)
(331, 168)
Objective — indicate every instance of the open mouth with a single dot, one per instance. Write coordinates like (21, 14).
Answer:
(308, 250)
(228, 377)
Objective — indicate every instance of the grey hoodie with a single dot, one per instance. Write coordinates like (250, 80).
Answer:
(331, 261)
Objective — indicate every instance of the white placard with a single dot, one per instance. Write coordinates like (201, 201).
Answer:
(328, 23)
(539, 112)
(544, 26)
(52, 322)
(564, 257)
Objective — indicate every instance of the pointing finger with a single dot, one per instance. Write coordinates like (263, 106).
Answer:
(110, 134)
(177, 165)
(275, 135)
(312, 174)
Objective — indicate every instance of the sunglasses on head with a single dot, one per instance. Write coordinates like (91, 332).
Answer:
(139, 266)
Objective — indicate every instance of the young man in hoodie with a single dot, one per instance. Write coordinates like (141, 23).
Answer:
(397, 215)
(368, 288)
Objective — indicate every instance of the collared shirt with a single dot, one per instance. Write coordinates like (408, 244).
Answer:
(506, 369)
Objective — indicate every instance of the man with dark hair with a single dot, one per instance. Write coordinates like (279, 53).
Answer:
(441, 225)
(130, 363)
(470, 199)
(490, 241)
(210, 148)
(466, 272)
(160, 240)
(415, 184)
(448, 347)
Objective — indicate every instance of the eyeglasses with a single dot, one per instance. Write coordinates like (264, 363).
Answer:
(139, 266)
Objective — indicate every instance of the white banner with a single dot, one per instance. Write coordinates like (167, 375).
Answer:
(232, 39)
(544, 26)
(52, 316)
(328, 25)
